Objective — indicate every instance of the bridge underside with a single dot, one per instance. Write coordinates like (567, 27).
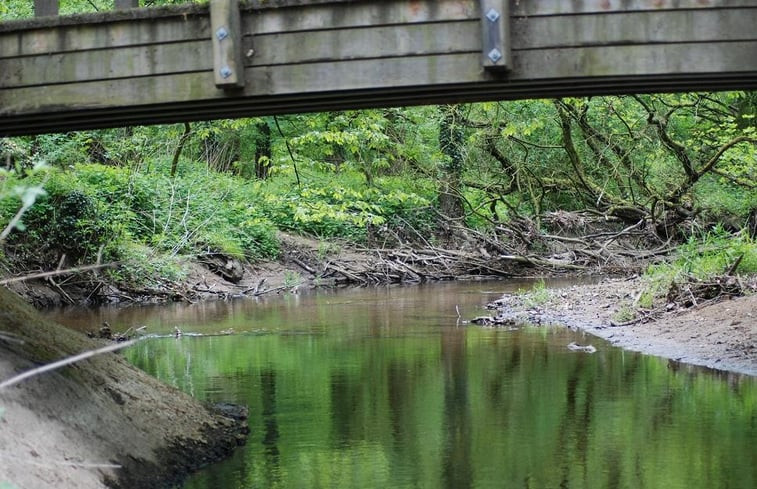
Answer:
(162, 65)
(229, 108)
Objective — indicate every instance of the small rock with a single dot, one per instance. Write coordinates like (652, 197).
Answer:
(233, 411)
(105, 331)
(584, 348)
(483, 320)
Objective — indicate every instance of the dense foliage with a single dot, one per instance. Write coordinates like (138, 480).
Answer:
(677, 165)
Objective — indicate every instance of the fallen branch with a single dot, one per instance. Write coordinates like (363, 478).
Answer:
(303, 265)
(53, 273)
(65, 361)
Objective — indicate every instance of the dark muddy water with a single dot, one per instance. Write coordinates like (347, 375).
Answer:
(385, 388)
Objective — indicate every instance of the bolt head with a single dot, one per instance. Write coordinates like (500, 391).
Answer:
(492, 15)
(494, 55)
(222, 33)
(225, 72)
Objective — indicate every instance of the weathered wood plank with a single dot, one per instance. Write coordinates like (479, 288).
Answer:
(635, 28)
(368, 74)
(262, 81)
(298, 47)
(423, 72)
(32, 123)
(636, 60)
(531, 8)
(527, 65)
(93, 65)
(359, 14)
(363, 43)
(155, 13)
(285, 15)
(102, 36)
(194, 25)
(111, 93)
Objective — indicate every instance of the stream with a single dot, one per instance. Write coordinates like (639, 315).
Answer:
(389, 388)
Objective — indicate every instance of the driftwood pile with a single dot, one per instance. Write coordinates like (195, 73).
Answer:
(581, 243)
(408, 265)
(695, 292)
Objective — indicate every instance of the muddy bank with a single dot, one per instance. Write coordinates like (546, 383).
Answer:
(99, 423)
(304, 263)
(720, 335)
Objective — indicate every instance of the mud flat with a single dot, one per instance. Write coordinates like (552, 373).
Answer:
(720, 335)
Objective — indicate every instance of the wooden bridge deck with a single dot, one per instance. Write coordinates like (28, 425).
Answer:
(161, 65)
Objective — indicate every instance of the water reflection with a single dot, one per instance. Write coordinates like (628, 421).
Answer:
(271, 428)
(457, 472)
(379, 388)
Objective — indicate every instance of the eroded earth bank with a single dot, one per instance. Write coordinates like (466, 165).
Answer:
(99, 423)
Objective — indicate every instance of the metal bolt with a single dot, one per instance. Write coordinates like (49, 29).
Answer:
(225, 72)
(492, 15)
(250, 53)
(222, 33)
(495, 55)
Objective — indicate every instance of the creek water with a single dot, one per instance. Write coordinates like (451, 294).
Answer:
(388, 388)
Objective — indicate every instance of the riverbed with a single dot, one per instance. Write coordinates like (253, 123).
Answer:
(391, 387)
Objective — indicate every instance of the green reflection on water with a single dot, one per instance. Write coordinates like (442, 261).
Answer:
(382, 389)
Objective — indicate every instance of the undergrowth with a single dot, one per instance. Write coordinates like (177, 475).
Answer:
(151, 222)
(537, 295)
(703, 257)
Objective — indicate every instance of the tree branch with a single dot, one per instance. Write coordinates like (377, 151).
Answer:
(661, 125)
(709, 166)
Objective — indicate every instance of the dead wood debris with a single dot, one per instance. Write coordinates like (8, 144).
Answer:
(695, 292)
(511, 250)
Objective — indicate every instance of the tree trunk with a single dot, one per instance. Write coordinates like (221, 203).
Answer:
(451, 144)
(263, 150)
(180, 147)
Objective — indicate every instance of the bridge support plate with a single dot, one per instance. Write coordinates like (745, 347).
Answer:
(228, 67)
(495, 23)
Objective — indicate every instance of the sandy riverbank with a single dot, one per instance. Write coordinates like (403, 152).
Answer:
(98, 423)
(720, 335)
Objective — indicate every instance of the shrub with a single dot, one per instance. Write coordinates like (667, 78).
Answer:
(63, 222)
(709, 255)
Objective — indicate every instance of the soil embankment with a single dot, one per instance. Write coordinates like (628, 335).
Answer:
(717, 334)
(98, 423)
